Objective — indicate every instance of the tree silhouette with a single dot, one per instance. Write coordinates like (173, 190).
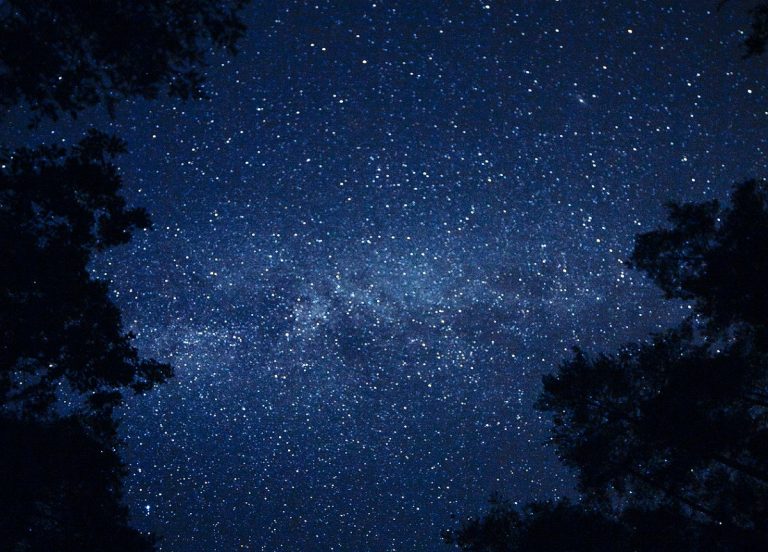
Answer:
(757, 38)
(61, 490)
(567, 527)
(541, 527)
(62, 57)
(57, 208)
(667, 437)
(717, 258)
(65, 359)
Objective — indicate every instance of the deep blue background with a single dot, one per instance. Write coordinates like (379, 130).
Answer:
(388, 221)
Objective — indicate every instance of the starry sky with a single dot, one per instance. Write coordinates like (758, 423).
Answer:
(388, 221)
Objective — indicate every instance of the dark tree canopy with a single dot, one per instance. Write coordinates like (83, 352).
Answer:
(715, 257)
(757, 36)
(61, 490)
(539, 527)
(684, 419)
(65, 359)
(668, 436)
(58, 324)
(667, 422)
(62, 56)
(563, 526)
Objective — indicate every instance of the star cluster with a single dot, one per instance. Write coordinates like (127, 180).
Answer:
(387, 222)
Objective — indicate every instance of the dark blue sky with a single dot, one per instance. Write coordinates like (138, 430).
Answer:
(389, 220)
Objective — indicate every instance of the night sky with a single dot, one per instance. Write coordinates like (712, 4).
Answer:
(386, 223)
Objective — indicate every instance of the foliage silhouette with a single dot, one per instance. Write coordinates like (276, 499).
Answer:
(57, 208)
(62, 57)
(715, 257)
(757, 38)
(545, 527)
(667, 437)
(62, 490)
(65, 360)
(567, 527)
